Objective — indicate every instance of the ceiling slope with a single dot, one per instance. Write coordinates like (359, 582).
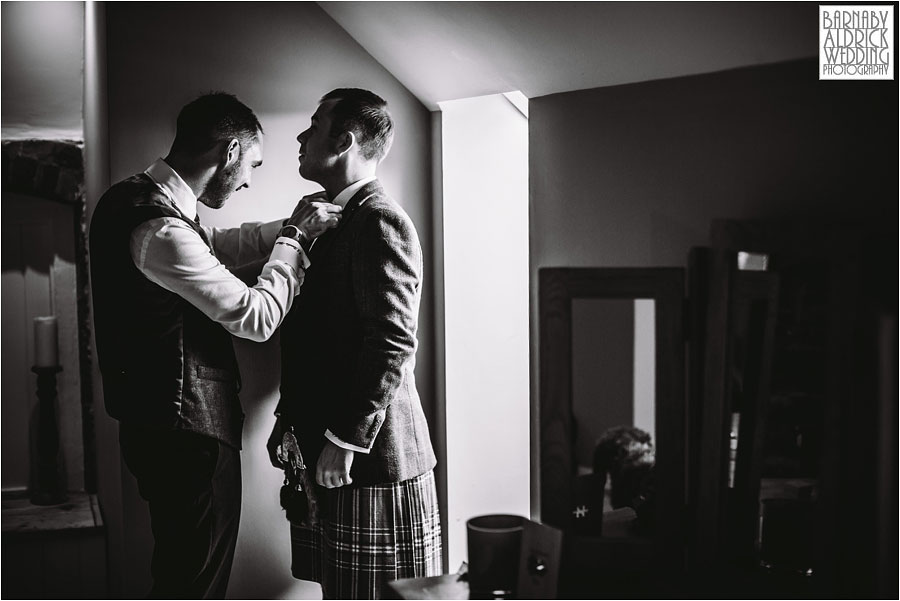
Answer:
(449, 50)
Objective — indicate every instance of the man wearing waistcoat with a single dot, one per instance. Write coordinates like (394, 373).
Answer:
(165, 308)
(350, 396)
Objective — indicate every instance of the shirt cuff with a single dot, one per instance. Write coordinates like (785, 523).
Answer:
(289, 251)
(345, 445)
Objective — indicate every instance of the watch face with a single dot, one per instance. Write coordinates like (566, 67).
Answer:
(291, 231)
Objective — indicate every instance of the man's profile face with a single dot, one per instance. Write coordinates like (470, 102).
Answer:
(231, 178)
(316, 143)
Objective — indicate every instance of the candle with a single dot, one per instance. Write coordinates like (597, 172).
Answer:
(46, 349)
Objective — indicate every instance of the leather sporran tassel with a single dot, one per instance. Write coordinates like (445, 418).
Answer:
(294, 503)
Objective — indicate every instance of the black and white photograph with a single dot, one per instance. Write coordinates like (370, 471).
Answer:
(449, 300)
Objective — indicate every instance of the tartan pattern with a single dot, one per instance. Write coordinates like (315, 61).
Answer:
(368, 536)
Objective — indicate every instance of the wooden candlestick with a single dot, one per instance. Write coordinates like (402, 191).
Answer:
(48, 487)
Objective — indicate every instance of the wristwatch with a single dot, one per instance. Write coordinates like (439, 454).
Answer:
(295, 233)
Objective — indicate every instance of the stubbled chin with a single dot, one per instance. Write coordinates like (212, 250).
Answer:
(213, 204)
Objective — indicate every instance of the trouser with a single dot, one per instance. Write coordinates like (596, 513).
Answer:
(192, 484)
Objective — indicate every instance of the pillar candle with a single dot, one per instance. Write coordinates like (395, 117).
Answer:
(46, 348)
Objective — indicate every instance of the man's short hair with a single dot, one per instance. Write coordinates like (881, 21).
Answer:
(365, 114)
(214, 118)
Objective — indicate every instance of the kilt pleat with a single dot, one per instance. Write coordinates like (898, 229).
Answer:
(368, 536)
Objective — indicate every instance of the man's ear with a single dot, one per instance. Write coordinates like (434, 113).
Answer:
(232, 152)
(345, 141)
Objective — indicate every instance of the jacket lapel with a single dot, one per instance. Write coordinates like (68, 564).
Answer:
(325, 241)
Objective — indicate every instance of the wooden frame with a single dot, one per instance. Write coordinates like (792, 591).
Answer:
(726, 523)
(840, 262)
(557, 288)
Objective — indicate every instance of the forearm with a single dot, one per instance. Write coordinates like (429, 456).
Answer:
(174, 257)
(255, 312)
(250, 242)
(249, 273)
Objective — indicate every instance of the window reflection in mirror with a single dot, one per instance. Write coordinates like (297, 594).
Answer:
(613, 405)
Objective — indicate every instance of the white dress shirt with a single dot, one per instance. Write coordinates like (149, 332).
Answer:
(347, 193)
(342, 199)
(171, 254)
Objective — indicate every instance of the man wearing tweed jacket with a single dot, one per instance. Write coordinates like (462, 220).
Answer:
(348, 388)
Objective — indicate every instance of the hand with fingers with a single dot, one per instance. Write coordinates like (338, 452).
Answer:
(314, 214)
(333, 467)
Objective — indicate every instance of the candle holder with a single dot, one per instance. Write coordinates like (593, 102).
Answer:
(48, 488)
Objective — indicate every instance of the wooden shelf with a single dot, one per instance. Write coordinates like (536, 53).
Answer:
(79, 513)
(54, 551)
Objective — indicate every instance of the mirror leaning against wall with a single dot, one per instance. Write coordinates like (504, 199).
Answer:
(612, 409)
(613, 412)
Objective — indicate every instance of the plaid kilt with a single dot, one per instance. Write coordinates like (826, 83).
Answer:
(368, 536)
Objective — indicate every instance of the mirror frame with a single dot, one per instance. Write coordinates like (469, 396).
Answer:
(557, 288)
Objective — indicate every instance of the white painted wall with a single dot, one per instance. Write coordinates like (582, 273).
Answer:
(42, 69)
(485, 216)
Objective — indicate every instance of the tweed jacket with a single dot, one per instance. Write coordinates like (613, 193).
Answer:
(349, 344)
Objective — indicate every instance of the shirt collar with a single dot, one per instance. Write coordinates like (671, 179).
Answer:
(347, 193)
(174, 187)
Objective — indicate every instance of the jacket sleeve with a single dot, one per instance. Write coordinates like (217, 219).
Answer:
(386, 271)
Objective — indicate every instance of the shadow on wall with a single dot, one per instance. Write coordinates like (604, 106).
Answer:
(262, 562)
